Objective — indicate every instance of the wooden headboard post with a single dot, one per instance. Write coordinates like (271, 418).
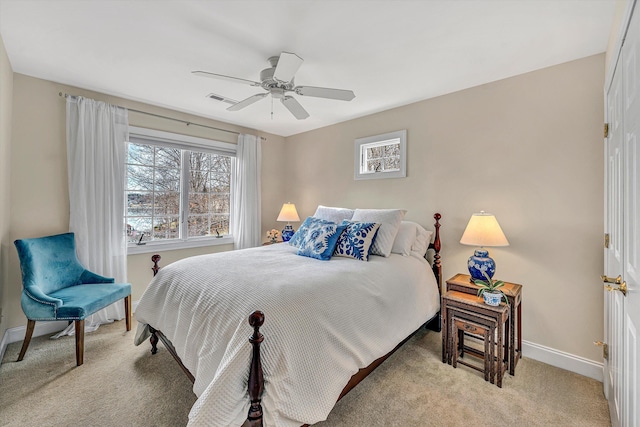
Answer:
(436, 245)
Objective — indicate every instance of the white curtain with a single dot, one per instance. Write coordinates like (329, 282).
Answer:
(96, 150)
(246, 225)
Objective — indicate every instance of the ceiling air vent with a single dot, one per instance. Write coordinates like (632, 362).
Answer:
(220, 98)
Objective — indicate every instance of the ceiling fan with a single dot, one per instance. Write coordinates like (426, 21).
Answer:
(278, 81)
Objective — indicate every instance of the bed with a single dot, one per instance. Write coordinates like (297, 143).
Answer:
(326, 325)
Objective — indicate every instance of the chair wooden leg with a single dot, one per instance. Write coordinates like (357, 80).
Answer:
(79, 326)
(31, 324)
(127, 311)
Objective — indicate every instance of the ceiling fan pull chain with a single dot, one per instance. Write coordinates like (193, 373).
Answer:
(272, 108)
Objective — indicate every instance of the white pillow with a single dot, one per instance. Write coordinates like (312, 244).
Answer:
(421, 244)
(407, 233)
(389, 220)
(336, 215)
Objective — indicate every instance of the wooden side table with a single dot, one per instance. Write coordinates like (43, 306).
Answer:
(513, 291)
(464, 313)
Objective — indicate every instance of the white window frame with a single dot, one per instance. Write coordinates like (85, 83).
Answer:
(359, 158)
(183, 142)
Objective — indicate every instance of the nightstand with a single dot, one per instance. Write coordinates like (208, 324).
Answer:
(513, 291)
(466, 315)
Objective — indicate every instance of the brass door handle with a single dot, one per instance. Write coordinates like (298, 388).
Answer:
(606, 279)
(622, 288)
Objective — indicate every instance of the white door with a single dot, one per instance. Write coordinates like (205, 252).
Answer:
(613, 262)
(622, 222)
(630, 415)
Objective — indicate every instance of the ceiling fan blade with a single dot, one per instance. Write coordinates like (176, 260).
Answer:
(294, 107)
(223, 77)
(288, 65)
(246, 102)
(324, 92)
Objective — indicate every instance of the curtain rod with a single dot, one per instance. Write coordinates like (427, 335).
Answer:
(66, 95)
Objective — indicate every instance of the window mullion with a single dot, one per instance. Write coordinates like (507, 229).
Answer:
(184, 194)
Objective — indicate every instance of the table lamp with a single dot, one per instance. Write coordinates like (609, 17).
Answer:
(483, 230)
(288, 213)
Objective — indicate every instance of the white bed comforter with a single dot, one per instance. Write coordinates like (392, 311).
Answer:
(324, 320)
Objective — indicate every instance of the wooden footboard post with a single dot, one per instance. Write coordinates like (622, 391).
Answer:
(154, 337)
(155, 259)
(256, 377)
(153, 340)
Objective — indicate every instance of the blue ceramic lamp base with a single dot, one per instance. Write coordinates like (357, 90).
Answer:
(479, 262)
(287, 233)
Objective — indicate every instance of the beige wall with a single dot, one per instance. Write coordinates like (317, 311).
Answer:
(528, 149)
(6, 100)
(40, 200)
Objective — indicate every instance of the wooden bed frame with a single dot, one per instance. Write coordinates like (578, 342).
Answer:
(256, 320)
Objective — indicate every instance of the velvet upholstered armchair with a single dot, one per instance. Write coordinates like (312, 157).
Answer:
(57, 287)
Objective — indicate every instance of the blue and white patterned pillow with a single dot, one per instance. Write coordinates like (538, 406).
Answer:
(320, 240)
(299, 235)
(356, 240)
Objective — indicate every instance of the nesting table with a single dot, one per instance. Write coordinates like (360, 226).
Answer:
(513, 291)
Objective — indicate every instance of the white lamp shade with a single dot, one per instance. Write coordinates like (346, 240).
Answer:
(483, 230)
(288, 213)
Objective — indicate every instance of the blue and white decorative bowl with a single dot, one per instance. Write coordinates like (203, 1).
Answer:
(492, 298)
(479, 262)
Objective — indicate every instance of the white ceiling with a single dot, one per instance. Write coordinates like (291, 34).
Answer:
(390, 53)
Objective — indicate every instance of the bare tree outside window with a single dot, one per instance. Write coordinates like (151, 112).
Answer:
(209, 193)
(383, 158)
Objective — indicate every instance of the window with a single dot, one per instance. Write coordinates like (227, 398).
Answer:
(178, 190)
(381, 156)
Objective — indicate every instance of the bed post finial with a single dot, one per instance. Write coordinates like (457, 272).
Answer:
(155, 259)
(256, 376)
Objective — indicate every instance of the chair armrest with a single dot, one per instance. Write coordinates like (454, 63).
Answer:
(89, 277)
(34, 293)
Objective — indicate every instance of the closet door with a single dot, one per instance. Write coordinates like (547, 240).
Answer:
(613, 257)
(622, 223)
(631, 273)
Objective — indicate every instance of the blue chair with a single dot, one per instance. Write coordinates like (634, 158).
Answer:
(57, 287)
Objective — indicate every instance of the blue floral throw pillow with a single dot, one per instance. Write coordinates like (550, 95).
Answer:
(299, 235)
(356, 240)
(320, 240)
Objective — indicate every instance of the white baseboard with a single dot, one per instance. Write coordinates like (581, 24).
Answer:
(12, 335)
(560, 359)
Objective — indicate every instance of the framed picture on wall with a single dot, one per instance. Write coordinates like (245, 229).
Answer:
(381, 156)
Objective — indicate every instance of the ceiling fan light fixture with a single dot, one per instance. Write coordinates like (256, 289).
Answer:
(277, 93)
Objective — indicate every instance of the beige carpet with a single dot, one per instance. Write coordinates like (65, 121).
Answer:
(123, 385)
